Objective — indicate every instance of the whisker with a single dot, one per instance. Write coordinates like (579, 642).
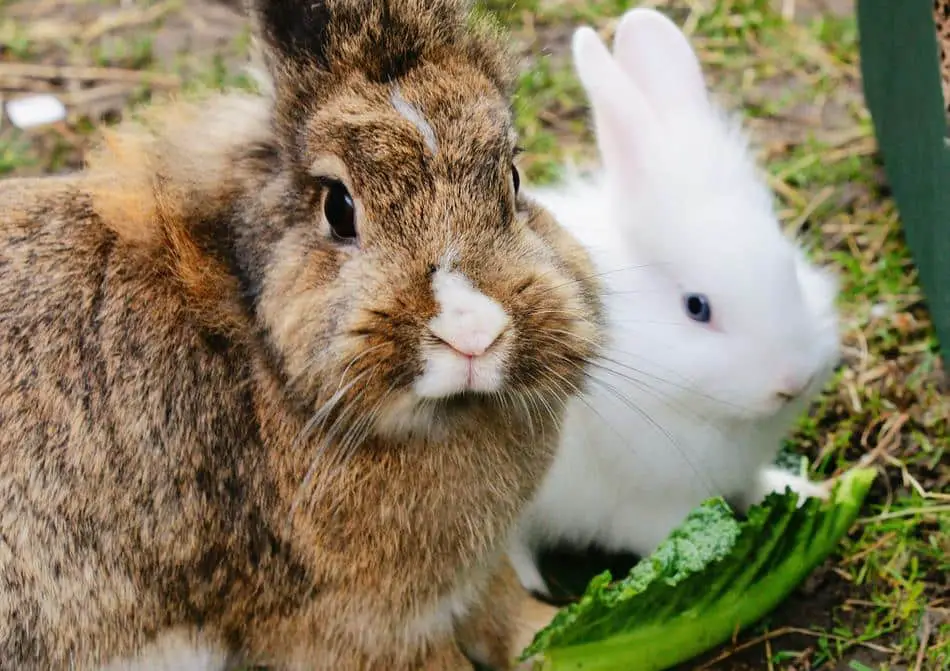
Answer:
(603, 273)
(653, 392)
(312, 360)
(351, 439)
(528, 414)
(321, 414)
(317, 420)
(651, 322)
(570, 315)
(362, 427)
(685, 386)
(536, 414)
(706, 482)
(666, 399)
(357, 358)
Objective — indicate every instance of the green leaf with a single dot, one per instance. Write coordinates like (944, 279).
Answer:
(712, 576)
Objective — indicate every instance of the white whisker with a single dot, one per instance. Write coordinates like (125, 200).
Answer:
(316, 423)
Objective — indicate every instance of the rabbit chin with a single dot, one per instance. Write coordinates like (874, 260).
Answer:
(448, 373)
(408, 415)
(450, 383)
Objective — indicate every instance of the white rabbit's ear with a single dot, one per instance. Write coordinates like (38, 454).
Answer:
(620, 113)
(659, 59)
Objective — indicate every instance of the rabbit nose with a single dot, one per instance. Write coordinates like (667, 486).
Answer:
(791, 389)
(471, 344)
(468, 321)
(471, 329)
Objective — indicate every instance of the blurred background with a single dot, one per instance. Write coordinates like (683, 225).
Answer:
(791, 67)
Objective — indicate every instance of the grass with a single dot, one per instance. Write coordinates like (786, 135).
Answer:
(883, 602)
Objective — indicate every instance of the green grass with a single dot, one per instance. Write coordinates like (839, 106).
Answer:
(883, 601)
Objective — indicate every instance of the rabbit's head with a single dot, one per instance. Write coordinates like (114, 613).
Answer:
(388, 259)
(727, 308)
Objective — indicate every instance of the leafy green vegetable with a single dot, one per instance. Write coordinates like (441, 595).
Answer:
(712, 576)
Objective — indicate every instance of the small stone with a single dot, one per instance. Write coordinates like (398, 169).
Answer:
(35, 110)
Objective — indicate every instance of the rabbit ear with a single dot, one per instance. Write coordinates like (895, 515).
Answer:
(294, 31)
(658, 57)
(621, 116)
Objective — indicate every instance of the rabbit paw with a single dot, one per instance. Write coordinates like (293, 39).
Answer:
(526, 567)
(777, 480)
(504, 622)
(447, 658)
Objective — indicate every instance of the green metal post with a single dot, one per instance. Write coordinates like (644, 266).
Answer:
(900, 67)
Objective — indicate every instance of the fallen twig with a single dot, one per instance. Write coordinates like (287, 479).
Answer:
(128, 19)
(83, 73)
(784, 631)
(924, 640)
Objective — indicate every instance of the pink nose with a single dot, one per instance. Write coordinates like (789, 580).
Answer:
(471, 345)
(791, 389)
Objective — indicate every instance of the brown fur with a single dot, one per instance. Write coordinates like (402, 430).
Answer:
(176, 316)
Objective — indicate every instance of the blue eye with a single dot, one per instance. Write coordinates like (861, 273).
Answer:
(697, 307)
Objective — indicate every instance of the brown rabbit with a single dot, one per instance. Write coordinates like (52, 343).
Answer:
(281, 371)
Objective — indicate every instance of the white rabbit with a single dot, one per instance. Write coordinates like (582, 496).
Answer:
(721, 331)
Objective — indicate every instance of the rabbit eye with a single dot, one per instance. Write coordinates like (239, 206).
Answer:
(515, 178)
(697, 307)
(339, 211)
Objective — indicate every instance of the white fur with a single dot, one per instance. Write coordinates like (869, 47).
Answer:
(679, 410)
(440, 618)
(176, 650)
(466, 326)
(412, 114)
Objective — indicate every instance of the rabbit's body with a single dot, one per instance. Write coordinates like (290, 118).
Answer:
(224, 422)
(720, 331)
(191, 527)
(116, 525)
(636, 454)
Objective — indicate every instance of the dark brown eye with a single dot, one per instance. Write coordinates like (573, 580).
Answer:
(339, 211)
(515, 178)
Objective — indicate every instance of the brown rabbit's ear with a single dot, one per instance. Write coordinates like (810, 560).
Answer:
(310, 46)
(292, 30)
(308, 42)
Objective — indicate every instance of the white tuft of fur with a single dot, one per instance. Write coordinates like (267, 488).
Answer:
(256, 69)
(439, 618)
(413, 115)
(176, 650)
(678, 410)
